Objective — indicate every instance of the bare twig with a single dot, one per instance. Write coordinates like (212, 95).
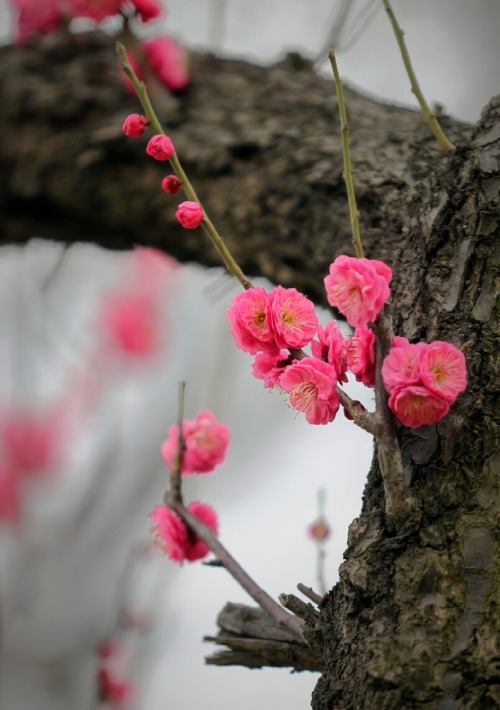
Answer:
(263, 599)
(207, 224)
(344, 127)
(429, 116)
(309, 593)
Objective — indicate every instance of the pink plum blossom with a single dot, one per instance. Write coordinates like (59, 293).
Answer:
(206, 442)
(189, 214)
(361, 355)
(96, 10)
(319, 530)
(169, 61)
(423, 380)
(147, 9)
(171, 534)
(171, 184)
(311, 384)
(160, 147)
(134, 125)
(30, 443)
(416, 406)
(443, 370)
(331, 347)
(291, 317)
(401, 366)
(269, 367)
(249, 326)
(358, 288)
(36, 17)
(130, 321)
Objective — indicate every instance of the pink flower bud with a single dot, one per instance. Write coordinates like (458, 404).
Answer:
(171, 184)
(319, 531)
(134, 125)
(160, 147)
(190, 214)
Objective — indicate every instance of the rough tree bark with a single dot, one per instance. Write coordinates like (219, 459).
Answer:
(414, 621)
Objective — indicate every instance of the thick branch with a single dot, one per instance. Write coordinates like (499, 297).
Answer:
(261, 146)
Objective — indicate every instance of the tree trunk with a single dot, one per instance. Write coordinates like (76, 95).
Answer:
(414, 620)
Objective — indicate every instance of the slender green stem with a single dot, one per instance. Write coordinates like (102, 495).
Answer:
(207, 224)
(429, 117)
(344, 126)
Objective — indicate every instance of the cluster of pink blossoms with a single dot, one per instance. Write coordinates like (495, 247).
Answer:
(272, 325)
(160, 147)
(205, 446)
(423, 380)
(166, 59)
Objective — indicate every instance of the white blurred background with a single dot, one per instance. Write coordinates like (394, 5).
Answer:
(62, 575)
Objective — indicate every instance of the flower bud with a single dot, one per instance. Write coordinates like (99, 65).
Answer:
(319, 530)
(171, 184)
(190, 214)
(134, 125)
(160, 147)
